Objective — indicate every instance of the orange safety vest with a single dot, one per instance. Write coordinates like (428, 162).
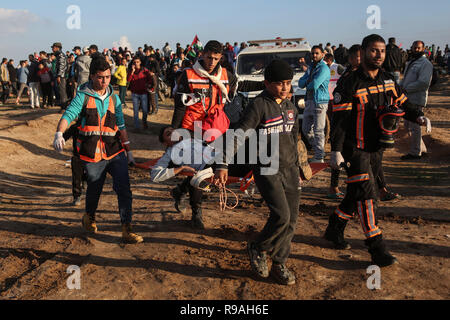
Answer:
(211, 100)
(98, 139)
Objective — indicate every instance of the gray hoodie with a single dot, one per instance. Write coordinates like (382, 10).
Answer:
(82, 69)
(417, 79)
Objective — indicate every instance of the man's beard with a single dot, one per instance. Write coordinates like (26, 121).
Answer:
(371, 65)
(416, 55)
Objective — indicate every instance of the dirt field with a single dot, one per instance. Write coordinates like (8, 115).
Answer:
(41, 234)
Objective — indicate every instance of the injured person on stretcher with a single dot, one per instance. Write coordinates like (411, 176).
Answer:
(189, 156)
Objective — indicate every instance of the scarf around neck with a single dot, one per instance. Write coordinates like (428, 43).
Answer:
(198, 68)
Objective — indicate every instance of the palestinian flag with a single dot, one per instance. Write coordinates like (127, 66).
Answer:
(194, 49)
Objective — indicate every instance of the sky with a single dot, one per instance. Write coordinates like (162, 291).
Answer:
(32, 26)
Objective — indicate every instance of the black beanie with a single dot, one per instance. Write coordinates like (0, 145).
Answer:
(278, 70)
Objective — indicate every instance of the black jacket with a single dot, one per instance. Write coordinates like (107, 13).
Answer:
(269, 118)
(12, 73)
(354, 122)
(32, 72)
(394, 58)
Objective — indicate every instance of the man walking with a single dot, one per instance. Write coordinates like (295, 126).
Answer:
(362, 120)
(100, 145)
(415, 84)
(274, 116)
(34, 84)
(316, 80)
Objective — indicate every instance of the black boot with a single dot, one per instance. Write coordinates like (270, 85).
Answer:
(179, 198)
(377, 249)
(197, 221)
(335, 232)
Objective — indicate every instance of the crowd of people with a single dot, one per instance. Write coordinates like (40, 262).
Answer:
(358, 89)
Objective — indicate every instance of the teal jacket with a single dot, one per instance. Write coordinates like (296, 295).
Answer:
(75, 107)
(319, 83)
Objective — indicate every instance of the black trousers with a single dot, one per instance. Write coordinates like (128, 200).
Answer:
(6, 90)
(362, 189)
(78, 176)
(62, 90)
(281, 194)
(47, 94)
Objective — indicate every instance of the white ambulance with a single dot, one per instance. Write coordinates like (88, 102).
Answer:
(252, 60)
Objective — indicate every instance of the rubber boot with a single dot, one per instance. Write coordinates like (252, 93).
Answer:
(335, 232)
(88, 223)
(197, 221)
(377, 249)
(128, 236)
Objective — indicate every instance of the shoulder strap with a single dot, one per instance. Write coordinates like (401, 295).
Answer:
(83, 110)
(114, 98)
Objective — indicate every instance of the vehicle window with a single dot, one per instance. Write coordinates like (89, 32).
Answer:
(254, 64)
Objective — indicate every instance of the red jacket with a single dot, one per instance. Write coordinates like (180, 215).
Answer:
(139, 81)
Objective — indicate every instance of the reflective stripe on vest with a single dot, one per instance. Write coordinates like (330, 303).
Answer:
(98, 140)
(213, 100)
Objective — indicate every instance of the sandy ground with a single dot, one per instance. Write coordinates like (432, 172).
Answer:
(41, 234)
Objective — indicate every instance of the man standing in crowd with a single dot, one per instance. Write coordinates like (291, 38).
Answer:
(121, 76)
(357, 140)
(140, 81)
(152, 65)
(101, 148)
(166, 51)
(12, 76)
(415, 84)
(394, 61)
(316, 80)
(341, 54)
(60, 74)
(5, 79)
(33, 81)
(82, 65)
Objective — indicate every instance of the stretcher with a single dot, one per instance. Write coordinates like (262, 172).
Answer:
(244, 181)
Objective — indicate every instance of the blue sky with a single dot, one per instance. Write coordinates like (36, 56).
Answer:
(28, 26)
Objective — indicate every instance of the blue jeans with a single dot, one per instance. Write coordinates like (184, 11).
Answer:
(139, 100)
(122, 94)
(313, 126)
(117, 167)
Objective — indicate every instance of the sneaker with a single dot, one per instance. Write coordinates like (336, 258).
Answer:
(258, 260)
(199, 180)
(76, 201)
(128, 236)
(410, 157)
(282, 274)
(88, 223)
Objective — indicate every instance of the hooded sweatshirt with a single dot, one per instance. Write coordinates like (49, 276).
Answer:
(102, 103)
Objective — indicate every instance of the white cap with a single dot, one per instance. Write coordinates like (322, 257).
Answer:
(85, 49)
